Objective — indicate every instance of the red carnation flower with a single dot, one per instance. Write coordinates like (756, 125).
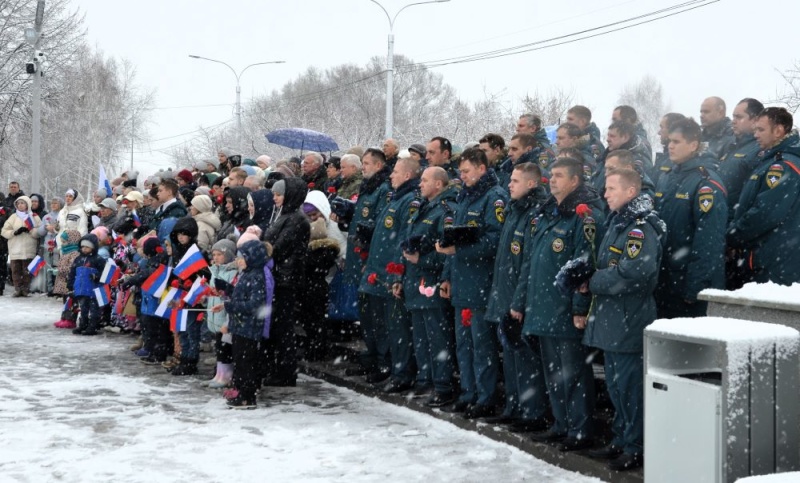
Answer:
(466, 317)
(545, 180)
(393, 268)
(583, 210)
(331, 189)
(311, 185)
(364, 255)
(372, 278)
(357, 250)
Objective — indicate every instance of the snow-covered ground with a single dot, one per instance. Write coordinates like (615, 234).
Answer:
(81, 409)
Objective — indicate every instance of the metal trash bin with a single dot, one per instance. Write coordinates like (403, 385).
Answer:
(720, 400)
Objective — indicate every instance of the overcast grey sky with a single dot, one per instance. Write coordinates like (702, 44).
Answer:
(731, 48)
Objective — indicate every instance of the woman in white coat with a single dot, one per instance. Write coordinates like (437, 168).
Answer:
(72, 216)
(20, 231)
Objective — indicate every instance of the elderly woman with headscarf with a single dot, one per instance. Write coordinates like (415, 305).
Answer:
(72, 216)
(20, 231)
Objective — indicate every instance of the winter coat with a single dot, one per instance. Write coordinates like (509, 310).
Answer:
(691, 201)
(207, 225)
(264, 205)
(73, 217)
(236, 222)
(316, 181)
(48, 239)
(505, 168)
(736, 166)
(226, 273)
(349, 187)
(289, 235)
(322, 255)
(766, 224)
(185, 225)
(556, 236)
(249, 303)
(175, 209)
(662, 165)
(640, 153)
(332, 185)
(511, 251)
(428, 222)
(21, 246)
(595, 140)
(370, 201)
(390, 230)
(86, 270)
(69, 252)
(718, 138)
(469, 271)
(149, 304)
(108, 222)
(628, 261)
(321, 203)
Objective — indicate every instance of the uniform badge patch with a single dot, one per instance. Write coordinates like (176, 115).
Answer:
(558, 245)
(705, 199)
(364, 212)
(633, 247)
(774, 175)
(636, 233)
(388, 222)
(533, 224)
(472, 223)
(515, 247)
(414, 207)
(614, 249)
(499, 210)
(589, 228)
(448, 221)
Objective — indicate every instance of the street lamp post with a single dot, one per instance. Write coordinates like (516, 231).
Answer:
(33, 36)
(390, 62)
(238, 108)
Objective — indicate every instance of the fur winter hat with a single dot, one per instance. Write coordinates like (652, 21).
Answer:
(227, 248)
(202, 203)
(253, 233)
(185, 175)
(319, 229)
(152, 247)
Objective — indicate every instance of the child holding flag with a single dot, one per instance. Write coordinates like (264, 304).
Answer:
(223, 276)
(188, 264)
(83, 280)
(249, 310)
(20, 231)
(70, 240)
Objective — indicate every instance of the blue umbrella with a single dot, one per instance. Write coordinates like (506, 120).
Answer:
(299, 138)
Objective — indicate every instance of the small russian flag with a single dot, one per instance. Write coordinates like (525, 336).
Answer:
(103, 295)
(110, 272)
(36, 264)
(198, 290)
(136, 221)
(190, 263)
(179, 320)
(67, 305)
(164, 309)
(156, 283)
(29, 222)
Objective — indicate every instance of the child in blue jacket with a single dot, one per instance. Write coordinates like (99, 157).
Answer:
(83, 278)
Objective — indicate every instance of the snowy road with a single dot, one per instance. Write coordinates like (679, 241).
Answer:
(80, 409)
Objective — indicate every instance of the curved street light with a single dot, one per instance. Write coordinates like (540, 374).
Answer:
(390, 62)
(238, 88)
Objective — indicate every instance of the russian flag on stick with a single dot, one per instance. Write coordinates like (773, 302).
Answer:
(67, 305)
(29, 222)
(103, 295)
(164, 309)
(110, 272)
(190, 263)
(36, 264)
(179, 320)
(136, 221)
(198, 290)
(156, 283)
(102, 182)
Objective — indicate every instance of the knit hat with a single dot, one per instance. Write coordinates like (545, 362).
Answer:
(279, 188)
(309, 208)
(71, 192)
(152, 247)
(101, 232)
(202, 190)
(185, 175)
(249, 162)
(418, 148)
(132, 174)
(101, 193)
(227, 248)
(202, 203)
(253, 233)
(250, 170)
(85, 242)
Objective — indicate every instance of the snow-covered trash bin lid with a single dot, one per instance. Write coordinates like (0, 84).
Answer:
(792, 477)
(767, 295)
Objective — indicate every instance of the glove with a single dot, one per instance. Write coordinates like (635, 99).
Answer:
(574, 274)
(22, 229)
(343, 209)
(364, 232)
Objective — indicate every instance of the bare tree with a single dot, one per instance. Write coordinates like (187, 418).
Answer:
(790, 96)
(647, 97)
(552, 106)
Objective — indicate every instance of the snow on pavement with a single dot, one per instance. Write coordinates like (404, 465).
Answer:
(81, 409)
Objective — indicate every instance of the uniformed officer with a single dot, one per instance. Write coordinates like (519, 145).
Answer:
(662, 162)
(621, 135)
(377, 279)
(434, 337)
(628, 262)
(569, 136)
(691, 201)
(717, 132)
(624, 159)
(467, 279)
(766, 226)
(526, 395)
(494, 146)
(523, 148)
(581, 116)
(371, 200)
(439, 151)
(556, 236)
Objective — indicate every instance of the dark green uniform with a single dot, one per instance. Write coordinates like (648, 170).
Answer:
(718, 138)
(553, 238)
(628, 263)
(522, 365)
(470, 274)
(736, 166)
(766, 225)
(662, 165)
(691, 201)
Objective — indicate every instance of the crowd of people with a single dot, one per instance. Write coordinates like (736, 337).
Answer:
(515, 261)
